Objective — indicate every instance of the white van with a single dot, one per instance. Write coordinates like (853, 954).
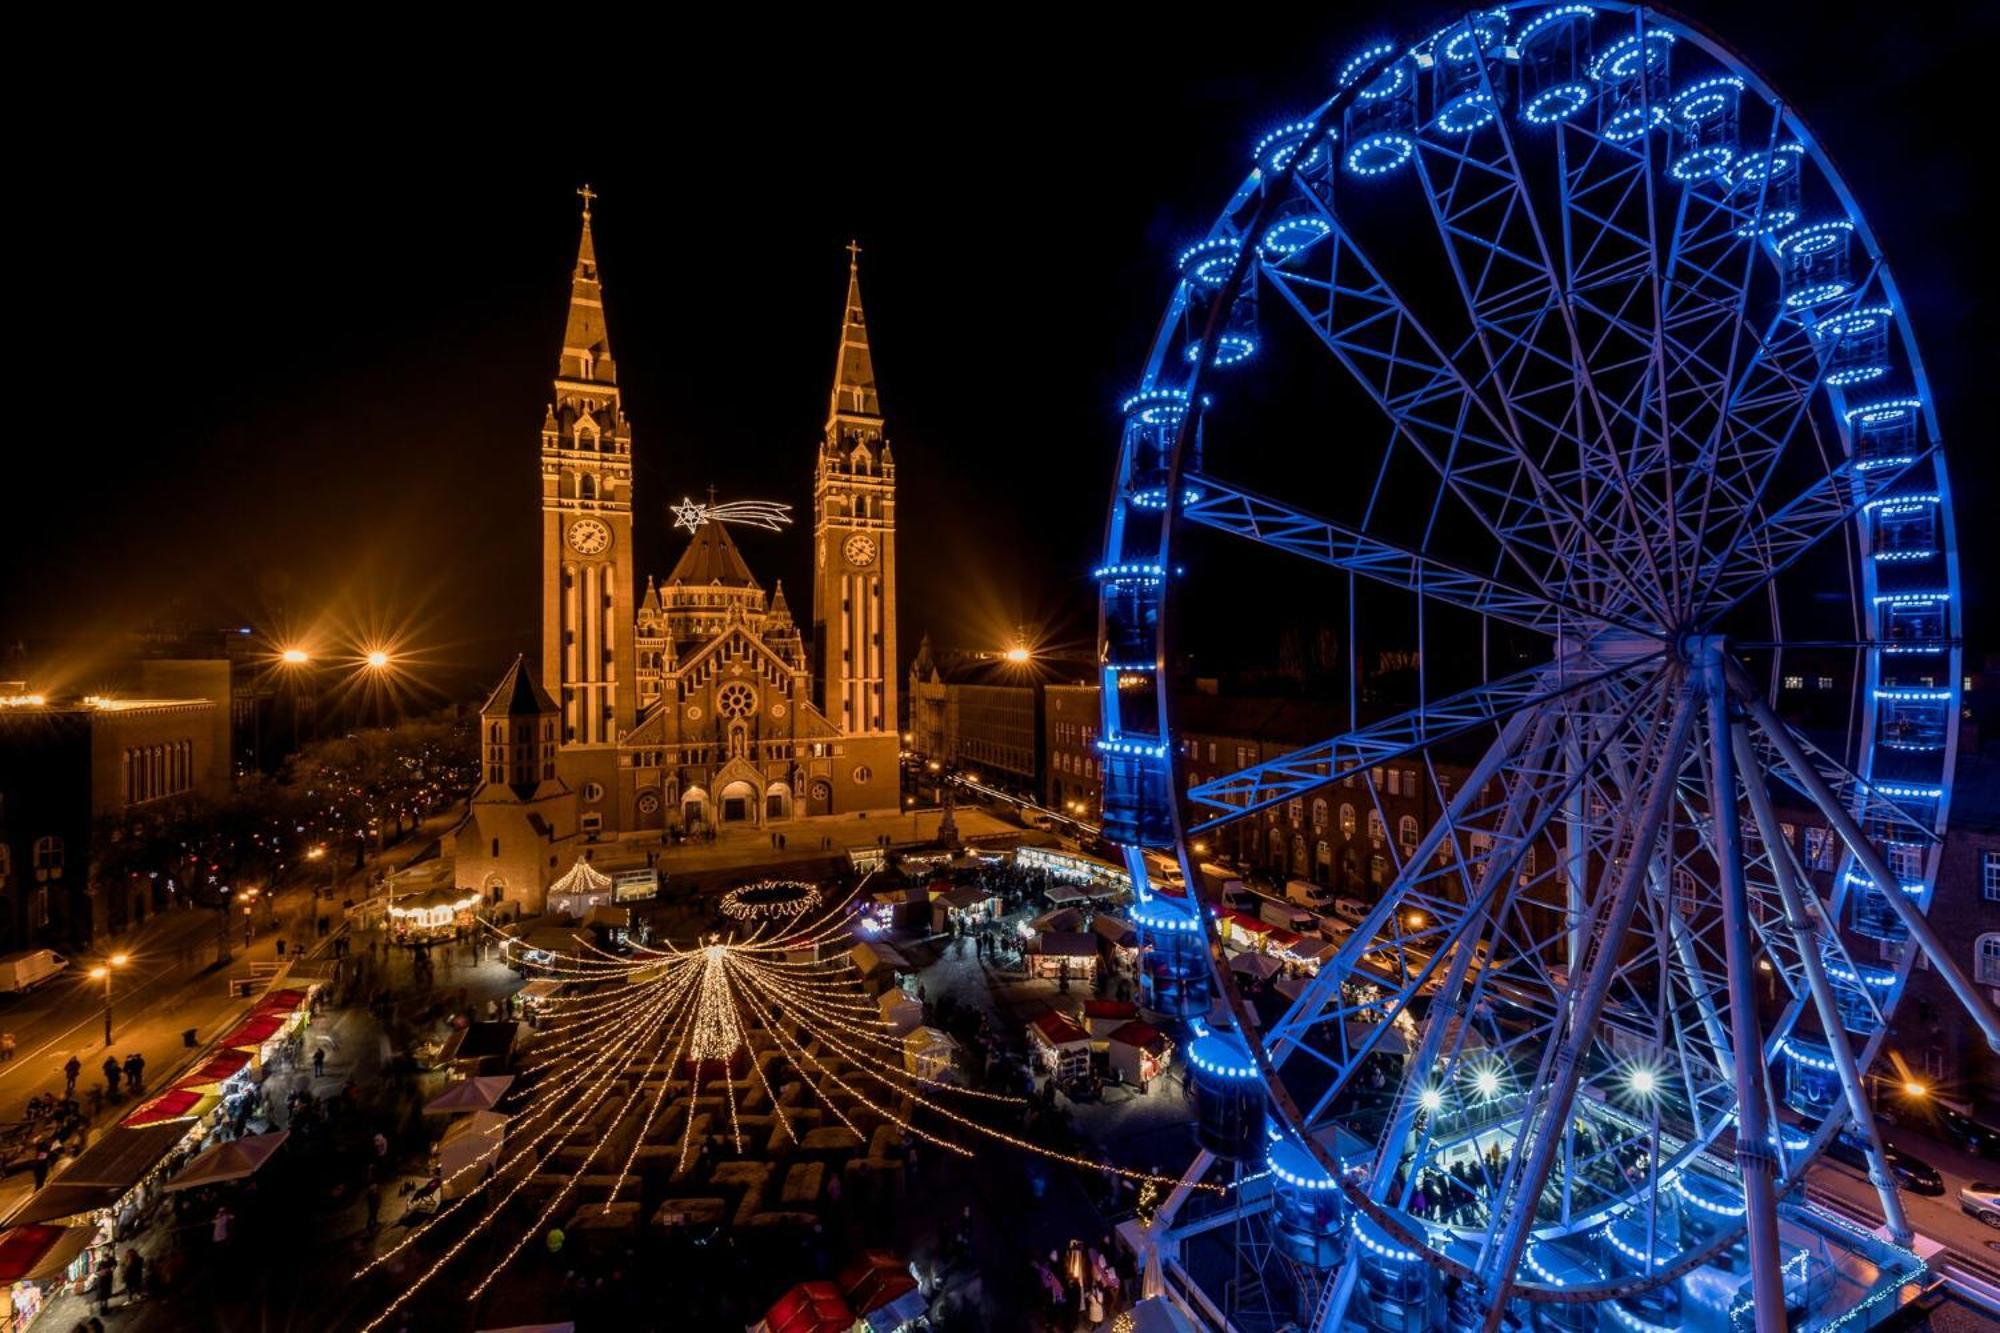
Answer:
(22, 972)
(1287, 917)
(1308, 894)
(1351, 910)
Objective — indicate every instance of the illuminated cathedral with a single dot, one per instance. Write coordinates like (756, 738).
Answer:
(700, 702)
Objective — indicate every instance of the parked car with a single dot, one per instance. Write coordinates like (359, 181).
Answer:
(1982, 1201)
(1351, 910)
(1913, 1173)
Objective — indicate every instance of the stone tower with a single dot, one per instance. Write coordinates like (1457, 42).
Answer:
(854, 541)
(588, 617)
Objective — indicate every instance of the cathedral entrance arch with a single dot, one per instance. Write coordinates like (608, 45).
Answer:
(777, 801)
(739, 803)
(694, 808)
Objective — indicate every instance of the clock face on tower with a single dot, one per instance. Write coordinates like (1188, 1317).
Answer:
(860, 550)
(587, 536)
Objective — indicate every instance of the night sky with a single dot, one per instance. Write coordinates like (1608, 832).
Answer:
(292, 323)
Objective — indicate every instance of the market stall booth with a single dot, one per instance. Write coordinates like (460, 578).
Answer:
(901, 1011)
(479, 1093)
(468, 1150)
(1138, 1053)
(930, 1054)
(432, 916)
(33, 1262)
(962, 907)
(1120, 939)
(1103, 1017)
(1059, 1044)
(879, 1289)
(581, 887)
(1060, 955)
(238, 1159)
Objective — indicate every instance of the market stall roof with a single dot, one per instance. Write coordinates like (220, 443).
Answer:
(869, 955)
(1250, 924)
(237, 1159)
(810, 1307)
(58, 1201)
(174, 1104)
(1065, 944)
(254, 1031)
(458, 900)
(1256, 964)
(1283, 940)
(1061, 894)
(473, 1094)
(923, 1038)
(1107, 1009)
(547, 939)
(963, 897)
(875, 1279)
(218, 1068)
(1061, 918)
(285, 1000)
(1142, 1035)
(1155, 1315)
(541, 988)
(121, 1157)
(608, 914)
(35, 1253)
(1117, 931)
(1058, 1029)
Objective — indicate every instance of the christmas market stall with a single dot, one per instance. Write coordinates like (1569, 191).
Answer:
(879, 1289)
(901, 1010)
(468, 1150)
(930, 1054)
(432, 916)
(810, 1307)
(1139, 1053)
(581, 888)
(33, 1263)
(1103, 1017)
(966, 905)
(1057, 1043)
(1062, 955)
(1120, 940)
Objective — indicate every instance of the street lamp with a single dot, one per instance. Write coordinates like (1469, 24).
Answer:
(295, 657)
(104, 971)
(377, 660)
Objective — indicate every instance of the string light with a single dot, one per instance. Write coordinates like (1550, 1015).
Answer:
(771, 898)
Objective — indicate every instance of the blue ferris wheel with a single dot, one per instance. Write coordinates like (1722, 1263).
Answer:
(1552, 349)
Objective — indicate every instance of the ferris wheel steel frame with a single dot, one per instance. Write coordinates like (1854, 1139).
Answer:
(1633, 525)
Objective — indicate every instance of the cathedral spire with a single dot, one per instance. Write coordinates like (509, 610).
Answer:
(854, 368)
(586, 353)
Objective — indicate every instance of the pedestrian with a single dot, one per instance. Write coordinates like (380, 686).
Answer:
(319, 1062)
(134, 1276)
(100, 1287)
(41, 1164)
(70, 1071)
(1093, 1307)
(219, 1228)
(381, 1146)
(135, 1071)
(281, 946)
(374, 1198)
(6, 1046)
(112, 1073)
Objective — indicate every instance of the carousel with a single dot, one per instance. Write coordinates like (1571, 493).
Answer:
(432, 916)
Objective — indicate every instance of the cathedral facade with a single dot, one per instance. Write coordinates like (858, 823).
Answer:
(701, 702)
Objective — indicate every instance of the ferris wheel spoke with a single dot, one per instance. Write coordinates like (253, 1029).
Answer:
(1375, 334)
(1785, 535)
(1261, 786)
(1227, 507)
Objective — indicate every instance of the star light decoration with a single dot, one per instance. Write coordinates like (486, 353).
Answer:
(767, 514)
(643, 1038)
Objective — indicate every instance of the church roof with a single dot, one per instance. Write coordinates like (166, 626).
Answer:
(854, 366)
(517, 694)
(711, 558)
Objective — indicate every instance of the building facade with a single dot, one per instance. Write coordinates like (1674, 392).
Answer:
(69, 768)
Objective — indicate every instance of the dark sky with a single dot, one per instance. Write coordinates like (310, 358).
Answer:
(293, 320)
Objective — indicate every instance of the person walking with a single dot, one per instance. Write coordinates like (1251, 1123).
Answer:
(135, 1072)
(374, 1198)
(100, 1286)
(70, 1071)
(41, 1163)
(112, 1074)
(6, 1046)
(218, 1230)
(133, 1279)
(319, 1062)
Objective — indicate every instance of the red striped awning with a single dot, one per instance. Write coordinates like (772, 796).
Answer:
(255, 1030)
(281, 1000)
(223, 1065)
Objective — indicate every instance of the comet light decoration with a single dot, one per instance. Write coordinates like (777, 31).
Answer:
(637, 1041)
(767, 514)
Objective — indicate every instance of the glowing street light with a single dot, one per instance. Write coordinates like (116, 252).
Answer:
(295, 657)
(104, 972)
(1415, 921)
(1431, 1099)
(1912, 1088)
(377, 659)
(1486, 1082)
(1018, 654)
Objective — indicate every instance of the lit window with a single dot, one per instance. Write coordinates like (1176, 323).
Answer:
(1989, 876)
(1346, 820)
(1795, 682)
(1406, 834)
(1378, 829)
(1826, 682)
(1319, 815)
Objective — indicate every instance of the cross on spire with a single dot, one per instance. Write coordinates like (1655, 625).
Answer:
(853, 252)
(586, 194)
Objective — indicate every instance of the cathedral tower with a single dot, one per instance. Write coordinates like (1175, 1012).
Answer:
(587, 558)
(854, 542)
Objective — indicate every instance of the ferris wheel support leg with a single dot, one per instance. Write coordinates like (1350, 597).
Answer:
(1754, 1155)
(1867, 854)
(1503, 1258)
(1804, 926)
